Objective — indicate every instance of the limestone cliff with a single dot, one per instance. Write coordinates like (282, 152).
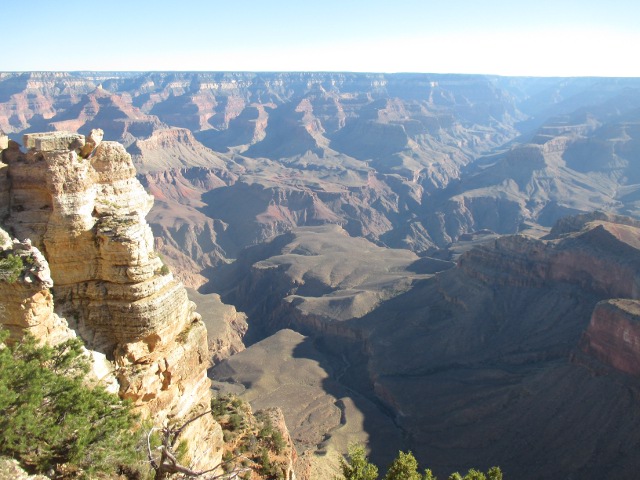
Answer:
(82, 207)
(26, 302)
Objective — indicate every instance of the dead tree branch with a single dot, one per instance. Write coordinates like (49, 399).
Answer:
(168, 464)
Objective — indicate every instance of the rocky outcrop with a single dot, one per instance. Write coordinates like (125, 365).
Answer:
(603, 257)
(87, 216)
(613, 336)
(226, 326)
(26, 302)
(10, 470)
(4, 181)
(277, 420)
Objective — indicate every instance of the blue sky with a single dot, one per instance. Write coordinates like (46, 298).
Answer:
(550, 38)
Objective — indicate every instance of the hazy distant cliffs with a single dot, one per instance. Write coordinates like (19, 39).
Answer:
(405, 160)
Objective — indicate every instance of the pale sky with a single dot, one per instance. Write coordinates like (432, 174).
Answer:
(541, 37)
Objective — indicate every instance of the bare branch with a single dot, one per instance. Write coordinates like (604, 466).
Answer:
(169, 464)
(179, 430)
(153, 463)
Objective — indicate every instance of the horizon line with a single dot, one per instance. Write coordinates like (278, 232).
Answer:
(347, 72)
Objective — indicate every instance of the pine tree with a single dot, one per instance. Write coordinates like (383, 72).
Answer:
(494, 473)
(474, 474)
(48, 416)
(404, 467)
(358, 466)
(428, 475)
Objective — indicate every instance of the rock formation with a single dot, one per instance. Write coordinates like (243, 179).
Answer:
(27, 305)
(493, 348)
(11, 470)
(87, 217)
(525, 352)
(613, 336)
(226, 326)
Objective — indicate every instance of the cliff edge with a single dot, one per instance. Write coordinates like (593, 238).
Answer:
(73, 218)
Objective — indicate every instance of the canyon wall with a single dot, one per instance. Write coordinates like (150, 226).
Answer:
(613, 335)
(523, 353)
(79, 214)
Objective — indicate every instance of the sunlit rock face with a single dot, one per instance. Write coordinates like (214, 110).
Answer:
(78, 202)
(26, 302)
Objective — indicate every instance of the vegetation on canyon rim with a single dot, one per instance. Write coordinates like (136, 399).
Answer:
(251, 442)
(403, 467)
(52, 422)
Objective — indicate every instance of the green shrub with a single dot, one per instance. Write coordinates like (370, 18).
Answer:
(267, 429)
(404, 467)
(11, 267)
(278, 442)
(219, 406)
(235, 421)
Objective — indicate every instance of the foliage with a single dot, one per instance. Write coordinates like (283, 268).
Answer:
(11, 267)
(494, 473)
(272, 436)
(49, 417)
(428, 475)
(404, 467)
(235, 421)
(249, 439)
(358, 467)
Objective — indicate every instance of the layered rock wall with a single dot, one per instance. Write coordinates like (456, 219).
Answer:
(600, 254)
(26, 302)
(87, 215)
(4, 181)
(613, 336)
(599, 259)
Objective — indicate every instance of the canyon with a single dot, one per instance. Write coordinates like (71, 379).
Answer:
(513, 355)
(405, 160)
(441, 263)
